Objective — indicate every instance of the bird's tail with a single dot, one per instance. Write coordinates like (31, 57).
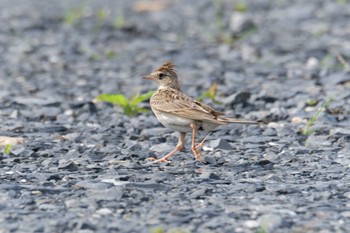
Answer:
(237, 121)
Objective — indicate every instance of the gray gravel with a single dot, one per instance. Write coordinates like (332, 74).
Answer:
(83, 167)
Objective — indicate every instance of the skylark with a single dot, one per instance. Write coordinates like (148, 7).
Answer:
(182, 113)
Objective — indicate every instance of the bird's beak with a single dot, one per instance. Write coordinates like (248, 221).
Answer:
(148, 77)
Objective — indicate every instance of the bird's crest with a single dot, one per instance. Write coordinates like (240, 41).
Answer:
(166, 66)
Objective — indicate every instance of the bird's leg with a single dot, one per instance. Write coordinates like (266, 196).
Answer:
(202, 142)
(196, 153)
(178, 147)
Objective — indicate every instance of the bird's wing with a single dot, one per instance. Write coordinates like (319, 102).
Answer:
(173, 101)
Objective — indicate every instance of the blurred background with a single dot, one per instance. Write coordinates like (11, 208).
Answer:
(115, 42)
(264, 47)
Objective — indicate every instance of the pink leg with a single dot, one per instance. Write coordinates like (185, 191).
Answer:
(202, 142)
(178, 147)
(194, 147)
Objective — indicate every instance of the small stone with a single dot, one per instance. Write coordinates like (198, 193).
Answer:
(239, 22)
(339, 132)
(269, 222)
(271, 156)
(257, 139)
(70, 166)
(251, 223)
(237, 98)
(104, 211)
(17, 149)
(209, 175)
(35, 101)
(14, 114)
(312, 63)
(318, 141)
(220, 144)
(336, 78)
(269, 132)
(92, 185)
(162, 148)
(48, 112)
(210, 160)
(71, 137)
(345, 214)
(114, 181)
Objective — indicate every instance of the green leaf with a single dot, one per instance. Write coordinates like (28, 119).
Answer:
(307, 130)
(139, 109)
(240, 6)
(311, 102)
(212, 91)
(129, 106)
(117, 99)
(139, 98)
(95, 57)
(127, 109)
(110, 54)
(119, 21)
(101, 15)
(7, 149)
(71, 16)
(204, 94)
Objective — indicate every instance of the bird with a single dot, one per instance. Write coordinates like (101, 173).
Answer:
(182, 113)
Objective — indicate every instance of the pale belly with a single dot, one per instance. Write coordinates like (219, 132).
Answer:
(182, 124)
(174, 122)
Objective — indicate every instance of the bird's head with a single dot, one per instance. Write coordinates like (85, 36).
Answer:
(165, 76)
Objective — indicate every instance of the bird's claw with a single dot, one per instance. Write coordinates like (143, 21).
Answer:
(197, 154)
(155, 160)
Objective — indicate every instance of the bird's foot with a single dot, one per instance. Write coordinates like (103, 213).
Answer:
(167, 156)
(155, 160)
(197, 154)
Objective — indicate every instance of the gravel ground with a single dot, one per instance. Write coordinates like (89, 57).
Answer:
(83, 167)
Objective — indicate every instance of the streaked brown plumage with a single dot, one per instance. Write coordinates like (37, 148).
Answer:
(182, 113)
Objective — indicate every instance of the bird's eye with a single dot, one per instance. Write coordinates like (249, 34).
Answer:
(161, 76)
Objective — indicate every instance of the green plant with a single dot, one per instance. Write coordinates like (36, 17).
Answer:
(160, 229)
(129, 105)
(307, 130)
(218, 15)
(334, 62)
(240, 6)
(210, 93)
(311, 102)
(342, 1)
(109, 54)
(221, 35)
(73, 15)
(101, 16)
(261, 229)
(343, 62)
(119, 21)
(95, 57)
(7, 149)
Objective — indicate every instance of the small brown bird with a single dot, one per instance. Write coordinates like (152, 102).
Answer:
(182, 113)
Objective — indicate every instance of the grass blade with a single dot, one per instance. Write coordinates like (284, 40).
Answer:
(7, 149)
(314, 117)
